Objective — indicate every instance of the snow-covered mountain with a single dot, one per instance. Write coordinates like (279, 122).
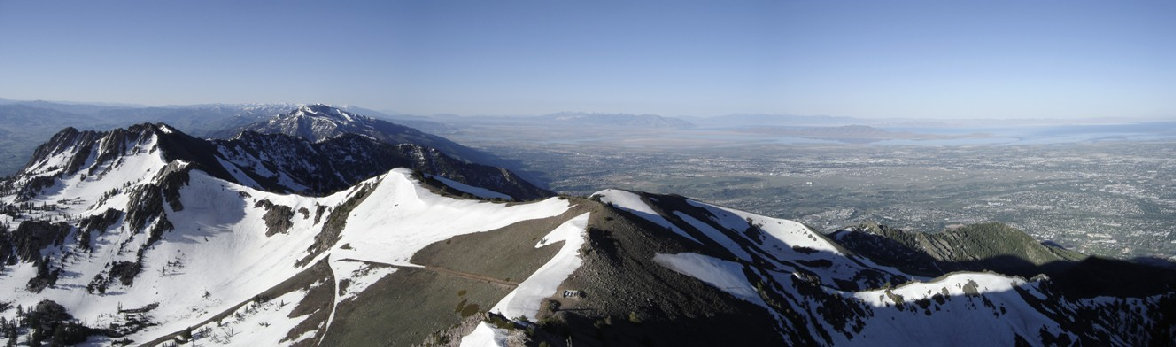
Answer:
(320, 123)
(271, 162)
(26, 124)
(147, 236)
(317, 123)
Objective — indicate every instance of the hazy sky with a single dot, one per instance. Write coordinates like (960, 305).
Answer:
(934, 59)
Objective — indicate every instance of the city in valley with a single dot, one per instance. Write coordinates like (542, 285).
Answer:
(1111, 198)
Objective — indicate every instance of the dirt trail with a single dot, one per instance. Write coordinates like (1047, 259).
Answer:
(444, 271)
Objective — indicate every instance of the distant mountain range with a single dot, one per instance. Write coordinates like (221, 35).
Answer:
(24, 124)
(773, 120)
(27, 123)
(567, 120)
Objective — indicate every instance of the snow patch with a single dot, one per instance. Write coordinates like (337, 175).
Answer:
(525, 299)
(484, 335)
(954, 284)
(724, 275)
(359, 276)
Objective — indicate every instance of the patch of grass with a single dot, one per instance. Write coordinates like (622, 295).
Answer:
(469, 310)
(500, 322)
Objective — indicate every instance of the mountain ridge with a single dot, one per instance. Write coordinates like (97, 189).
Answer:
(246, 158)
(964, 248)
(133, 236)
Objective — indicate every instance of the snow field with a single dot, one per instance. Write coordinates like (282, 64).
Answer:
(400, 218)
(255, 324)
(972, 322)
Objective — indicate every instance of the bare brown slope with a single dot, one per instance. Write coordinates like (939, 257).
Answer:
(406, 306)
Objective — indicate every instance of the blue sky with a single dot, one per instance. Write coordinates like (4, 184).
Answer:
(913, 59)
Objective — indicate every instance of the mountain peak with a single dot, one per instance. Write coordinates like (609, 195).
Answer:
(327, 112)
(59, 153)
(319, 123)
(316, 122)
